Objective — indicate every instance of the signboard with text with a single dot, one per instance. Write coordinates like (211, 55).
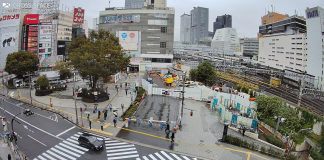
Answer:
(122, 19)
(31, 19)
(129, 40)
(78, 15)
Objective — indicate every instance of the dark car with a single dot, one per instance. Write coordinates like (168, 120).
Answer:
(90, 141)
(28, 112)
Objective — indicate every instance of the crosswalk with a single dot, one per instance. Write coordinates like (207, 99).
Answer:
(120, 150)
(66, 150)
(162, 155)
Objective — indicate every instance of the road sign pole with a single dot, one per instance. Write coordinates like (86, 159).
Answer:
(76, 111)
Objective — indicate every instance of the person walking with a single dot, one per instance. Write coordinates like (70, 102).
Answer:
(105, 115)
(167, 129)
(115, 122)
(90, 124)
(172, 136)
(98, 114)
(121, 85)
(243, 131)
(9, 157)
(110, 107)
(102, 123)
(126, 91)
(108, 95)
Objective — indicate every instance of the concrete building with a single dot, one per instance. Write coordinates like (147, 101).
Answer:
(199, 24)
(134, 4)
(191, 64)
(185, 28)
(271, 17)
(226, 40)
(250, 47)
(315, 43)
(155, 4)
(77, 31)
(147, 35)
(283, 44)
(64, 32)
(224, 21)
(95, 23)
(241, 44)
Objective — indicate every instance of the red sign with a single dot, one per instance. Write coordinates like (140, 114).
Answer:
(8, 17)
(132, 35)
(78, 16)
(32, 49)
(32, 39)
(45, 21)
(31, 19)
(33, 28)
(31, 34)
(32, 44)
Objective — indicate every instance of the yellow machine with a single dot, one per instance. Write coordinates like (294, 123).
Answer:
(275, 81)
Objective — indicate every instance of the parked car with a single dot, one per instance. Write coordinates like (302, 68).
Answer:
(90, 141)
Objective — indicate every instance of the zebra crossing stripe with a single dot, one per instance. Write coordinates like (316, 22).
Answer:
(175, 156)
(74, 138)
(112, 141)
(46, 155)
(40, 157)
(161, 158)
(85, 149)
(55, 155)
(131, 145)
(63, 145)
(118, 150)
(153, 158)
(185, 157)
(121, 153)
(145, 158)
(123, 157)
(65, 150)
(74, 141)
(166, 155)
(62, 153)
(114, 144)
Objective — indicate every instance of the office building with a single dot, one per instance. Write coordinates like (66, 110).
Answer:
(147, 35)
(271, 17)
(64, 32)
(226, 41)
(224, 21)
(134, 4)
(315, 43)
(199, 24)
(283, 44)
(155, 4)
(250, 47)
(185, 29)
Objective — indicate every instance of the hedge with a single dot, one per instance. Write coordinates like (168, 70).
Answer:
(43, 92)
(274, 141)
(133, 107)
(316, 155)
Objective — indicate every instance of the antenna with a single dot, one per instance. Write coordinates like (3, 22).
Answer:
(109, 3)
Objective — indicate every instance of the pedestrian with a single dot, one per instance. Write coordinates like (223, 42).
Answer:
(102, 123)
(243, 131)
(110, 107)
(108, 96)
(121, 85)
(126, 92)
(88, 117)
(105, 115)
(9, 157)
(90, 124)
(172, 137)
(98, 114)
(126, 84)
(115, 122)
(167, 129)
(117, 88)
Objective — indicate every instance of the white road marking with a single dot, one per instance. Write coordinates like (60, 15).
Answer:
(112, 141)
(121, 153)
(161, 158)
(166, 155)
(123, 157)
(152, 157)
(120, 146)
(65, 131)
(33, 126)
(36, 140)
(67, 151)
(63, 145)
(145, 158)
(74, 141)
(114, 144)
(62, 153)
(175, 156)
(48, 156)
(85, 149)
(55, 155)
(185, 157)
(40, 157)
(118, 150)
(74, 138)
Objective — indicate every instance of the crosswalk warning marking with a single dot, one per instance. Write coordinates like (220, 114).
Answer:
(119, 146)
(166, 155)
(123, 157)
(48, 156)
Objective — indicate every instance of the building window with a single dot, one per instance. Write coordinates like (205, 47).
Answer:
(273, 47)
(273, 51)
(291, 63)
(277, 39)
(162, 44)
(163, 29)
(293, 48)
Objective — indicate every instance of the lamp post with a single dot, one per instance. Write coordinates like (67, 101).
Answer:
(290, 146)
(280, 119)
(75, 96)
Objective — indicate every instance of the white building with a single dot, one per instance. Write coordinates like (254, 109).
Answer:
(95, 24)
(185, 29)
(134, 4)
(157, 4)
(226, 40)
(283, 44)
(315, 44)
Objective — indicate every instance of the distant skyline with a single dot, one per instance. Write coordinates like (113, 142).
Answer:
(246, 15)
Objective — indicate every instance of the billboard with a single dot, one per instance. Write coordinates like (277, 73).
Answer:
(9, 39)
(31, 19)
(129, 40)
(122, 19)
(7, 20)
(45, 30)
(78, 15)
(32, 39)
(54, 35)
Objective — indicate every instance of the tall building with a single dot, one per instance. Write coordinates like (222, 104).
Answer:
(283, 44)
(315, 43)
(134, 4)
(250, 47)
(185, 29)
(226, 41)
(199, 24)
(147, 35)
(64, 32)
(271, 17)
(155, 4)
(224, 21)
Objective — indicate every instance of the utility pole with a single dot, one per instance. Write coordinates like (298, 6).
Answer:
(30, 87)
(75, 96)
(300, 90)
(183, 87)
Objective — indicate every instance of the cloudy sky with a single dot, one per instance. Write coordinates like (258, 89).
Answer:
(246, 13)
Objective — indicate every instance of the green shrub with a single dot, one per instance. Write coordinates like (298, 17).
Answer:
(263, 150)
(316, 155)
(274, 141)
(43, 92)
(292, 157)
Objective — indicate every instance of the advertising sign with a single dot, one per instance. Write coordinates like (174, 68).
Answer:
(33, 29)
(45, 30)
(32, 39)
(32, 49)
(54, 35)
(46, 21)
(78, 15)
(32, 34)
(9, 39)
(7, 20)
(122, 19)
(128, 40)
(32, 44)
(31, 19)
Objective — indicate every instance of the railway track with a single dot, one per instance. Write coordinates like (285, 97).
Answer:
(314, 105)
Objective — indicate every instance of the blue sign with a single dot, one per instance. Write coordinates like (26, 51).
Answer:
(119, 19)
(80, 102)
(124, 35)
(312, 14)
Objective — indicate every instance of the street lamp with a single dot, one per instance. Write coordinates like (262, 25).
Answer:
(280, 120)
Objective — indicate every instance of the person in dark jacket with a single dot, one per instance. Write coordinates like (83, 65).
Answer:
(172, 137)
(167, 127)
(105, 115)
(9, 157)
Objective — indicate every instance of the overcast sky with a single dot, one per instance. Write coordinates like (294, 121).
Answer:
(246, 14)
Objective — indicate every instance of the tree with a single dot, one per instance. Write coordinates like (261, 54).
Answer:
(98, 57)
(206, 73)
(193, 74)
(62, 65)
(42, 82)
(65, 73)
(21, 63)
